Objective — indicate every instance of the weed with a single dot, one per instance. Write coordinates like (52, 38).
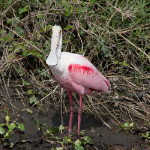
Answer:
(146, 136)
(7, 128)
(51, 133)
(33, 100)
(127, 126)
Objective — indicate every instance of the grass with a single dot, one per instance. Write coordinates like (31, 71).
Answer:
(113, 35)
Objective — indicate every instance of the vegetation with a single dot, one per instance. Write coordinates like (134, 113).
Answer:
(50, 136)
(113, 34)
(127, 126)
(5, 137)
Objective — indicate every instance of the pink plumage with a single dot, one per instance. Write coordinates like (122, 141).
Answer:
(74, 73)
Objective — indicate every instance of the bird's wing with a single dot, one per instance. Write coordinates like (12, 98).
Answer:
(86, 75)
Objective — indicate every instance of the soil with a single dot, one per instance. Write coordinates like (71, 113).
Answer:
(103, 138)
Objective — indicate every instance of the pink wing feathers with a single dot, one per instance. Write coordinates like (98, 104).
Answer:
(87, 76)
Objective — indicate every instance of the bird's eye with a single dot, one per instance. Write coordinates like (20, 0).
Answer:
(52, 30)
(59, 31)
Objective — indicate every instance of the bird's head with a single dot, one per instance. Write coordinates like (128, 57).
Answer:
(56, 42)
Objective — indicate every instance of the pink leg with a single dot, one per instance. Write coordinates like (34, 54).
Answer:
(79, 114)
(71, 111)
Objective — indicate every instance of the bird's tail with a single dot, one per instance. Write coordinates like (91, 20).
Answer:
(106, 85)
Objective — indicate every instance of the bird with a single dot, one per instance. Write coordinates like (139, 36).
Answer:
(74, 73)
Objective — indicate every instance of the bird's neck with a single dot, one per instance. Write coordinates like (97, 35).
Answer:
(59, 47)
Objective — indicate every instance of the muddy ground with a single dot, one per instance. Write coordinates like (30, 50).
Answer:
(103, 138)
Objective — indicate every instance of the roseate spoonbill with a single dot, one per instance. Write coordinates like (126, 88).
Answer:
(74, 73)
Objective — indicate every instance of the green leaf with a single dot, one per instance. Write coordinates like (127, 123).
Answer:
(116, 62)
(68, 10)
(20, 71)
(39, 15)
(37, 123)
(79, 147)
(25, 53)
(1, 39)
(2, 31)
(2, 124)
(20, 31)
(21, 126)
(147, 134)
(131, 125)
(8, 21)
(82, 132)
(92, 1)
(33, 100)
(143, 135)
(6, 144)
(30, 92)
(28, 110)
(126, 124)
(25, 9)
(20, 10)
(83, 9)
(6, 135)
(52, 130)
(2, 131)
(7, 119)
(67, 13)
(60, 148)
(23, 141)
(124, 63)
(88, 140)
(77, 142)
(34, 53)
(11, 127)
(11, 145)
(67, 139)
(80, 51)
(66, 41)
(15, 21)
(6, 111)
(49, 27)
(61, 127)
(44, 124)
(25, 83)
(105, 50)
(68, 27)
